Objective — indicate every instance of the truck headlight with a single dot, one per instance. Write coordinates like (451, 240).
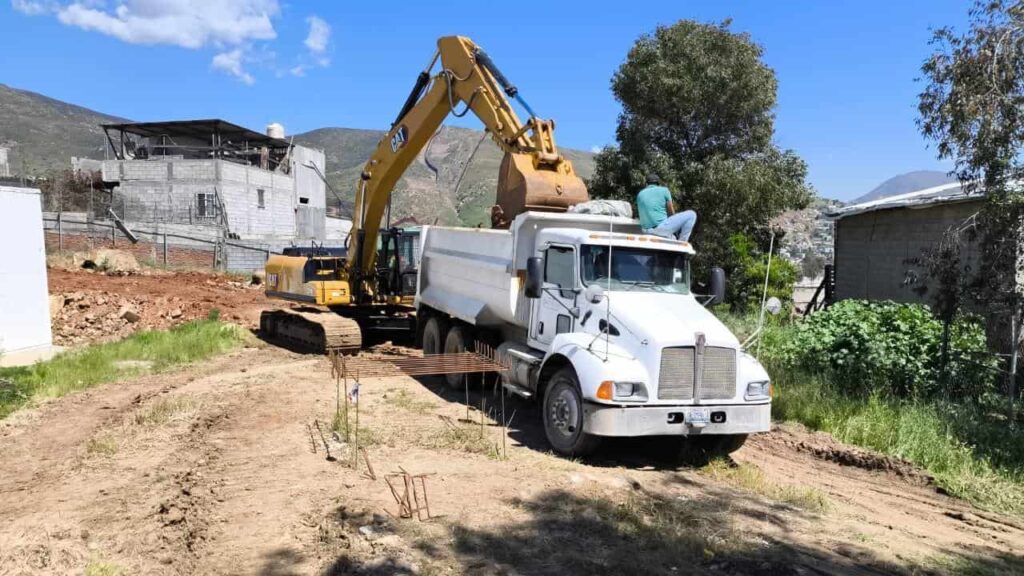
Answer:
(758, 390)
(622, 391)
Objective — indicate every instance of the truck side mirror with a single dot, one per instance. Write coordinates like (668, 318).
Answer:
(534, 276)
(717, 285)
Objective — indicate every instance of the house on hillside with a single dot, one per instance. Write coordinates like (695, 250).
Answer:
(876, 241)
(211, 173)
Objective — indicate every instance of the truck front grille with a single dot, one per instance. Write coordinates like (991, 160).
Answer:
(677, 379)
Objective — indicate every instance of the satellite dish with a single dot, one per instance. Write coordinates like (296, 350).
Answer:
(773, 306)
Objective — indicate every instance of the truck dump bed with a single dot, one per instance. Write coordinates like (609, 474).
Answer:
(468, 274)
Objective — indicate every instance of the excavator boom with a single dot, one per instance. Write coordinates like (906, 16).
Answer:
(533, 175)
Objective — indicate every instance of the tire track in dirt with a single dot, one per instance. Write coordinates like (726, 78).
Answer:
(899, 507)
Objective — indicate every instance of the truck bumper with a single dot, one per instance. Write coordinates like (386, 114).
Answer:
(601, 420)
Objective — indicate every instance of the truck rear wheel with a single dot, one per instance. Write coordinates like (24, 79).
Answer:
(433, 336)
(563, 416)
(456, 343)
(699, 450)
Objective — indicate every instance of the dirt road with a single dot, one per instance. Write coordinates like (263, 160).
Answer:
(219, 469)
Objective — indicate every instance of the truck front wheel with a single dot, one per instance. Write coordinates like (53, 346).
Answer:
(563, 416)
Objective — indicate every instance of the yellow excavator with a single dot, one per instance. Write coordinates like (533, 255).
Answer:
(370, 284)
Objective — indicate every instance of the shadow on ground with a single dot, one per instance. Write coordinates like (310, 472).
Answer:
(644, 533)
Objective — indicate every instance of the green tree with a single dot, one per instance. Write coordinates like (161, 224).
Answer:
(698, 110)
(971, 107)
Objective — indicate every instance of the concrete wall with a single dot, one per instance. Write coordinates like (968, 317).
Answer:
(166, 190)
(24, 296)
(873, 249)
(337, 231)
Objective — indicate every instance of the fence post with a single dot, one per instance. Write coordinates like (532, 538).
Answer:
(165, 249)
(60, 233)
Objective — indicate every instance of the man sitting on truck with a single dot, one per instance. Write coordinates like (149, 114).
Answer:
(658, 215)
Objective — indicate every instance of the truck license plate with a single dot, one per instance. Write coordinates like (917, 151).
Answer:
(698, 416)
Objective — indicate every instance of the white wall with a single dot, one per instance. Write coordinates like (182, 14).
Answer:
(24, 296)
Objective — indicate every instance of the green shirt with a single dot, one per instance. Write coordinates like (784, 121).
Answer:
(651, 205)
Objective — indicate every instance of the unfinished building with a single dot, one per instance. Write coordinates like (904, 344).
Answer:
(216, 180)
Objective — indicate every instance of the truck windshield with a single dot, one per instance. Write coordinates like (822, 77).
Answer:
(636, 269)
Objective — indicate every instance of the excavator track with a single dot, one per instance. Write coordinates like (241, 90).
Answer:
(312, 329)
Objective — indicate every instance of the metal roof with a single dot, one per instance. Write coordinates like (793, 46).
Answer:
(942, 194)
(201, 129)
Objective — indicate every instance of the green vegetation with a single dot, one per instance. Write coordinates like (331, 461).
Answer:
(698, 110)
(142, 352)
(868, 374)
(746, 286)
(751, 478)
(893, 349)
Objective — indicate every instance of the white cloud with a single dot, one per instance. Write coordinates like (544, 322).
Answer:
(595, 149)
(231, 63)
(185, 23)
(33, 7)
(319, 35)
(299, 71)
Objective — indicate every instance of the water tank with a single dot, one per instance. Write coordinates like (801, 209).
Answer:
(275, 130)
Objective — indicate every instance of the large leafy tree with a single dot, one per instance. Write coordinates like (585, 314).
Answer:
(972, 106)
(698, 110)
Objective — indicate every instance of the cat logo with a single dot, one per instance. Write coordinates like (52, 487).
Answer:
(400, 138)
(272, 280)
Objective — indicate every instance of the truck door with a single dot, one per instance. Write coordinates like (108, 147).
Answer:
(551, 314)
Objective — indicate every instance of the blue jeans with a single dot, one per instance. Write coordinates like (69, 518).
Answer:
(678, 225)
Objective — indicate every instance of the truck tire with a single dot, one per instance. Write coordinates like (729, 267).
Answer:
(433, 336)
(699, 450)
(455, 342)
(563, 416)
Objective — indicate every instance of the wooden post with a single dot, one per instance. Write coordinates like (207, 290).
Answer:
(165, 249)
(60, 233)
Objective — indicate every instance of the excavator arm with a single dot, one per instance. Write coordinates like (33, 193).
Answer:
(533, 176)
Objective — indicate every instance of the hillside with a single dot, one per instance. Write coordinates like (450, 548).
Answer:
(427, 195)
(43, 133)
(903, 183)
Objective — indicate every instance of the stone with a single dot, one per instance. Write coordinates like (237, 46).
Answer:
(173, 314)
(127, 313)
(56, 305)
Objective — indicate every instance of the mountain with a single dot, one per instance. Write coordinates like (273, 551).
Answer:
(904, 183)
(427, 191)
(43, 134)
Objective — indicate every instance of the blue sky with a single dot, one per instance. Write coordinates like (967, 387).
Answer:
(847, 95)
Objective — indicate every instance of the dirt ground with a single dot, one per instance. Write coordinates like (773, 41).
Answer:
(92, 307)
(219, 468)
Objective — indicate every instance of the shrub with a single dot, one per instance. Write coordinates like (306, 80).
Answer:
(746, 282)
(889, 348)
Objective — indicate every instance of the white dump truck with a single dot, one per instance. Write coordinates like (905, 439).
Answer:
(597, 321)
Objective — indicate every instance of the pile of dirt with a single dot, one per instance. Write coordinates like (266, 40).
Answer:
(826, 447)
(86, 307)
(111, 261)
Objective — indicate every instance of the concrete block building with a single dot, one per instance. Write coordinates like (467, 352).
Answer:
(216, 178)
(876, 242)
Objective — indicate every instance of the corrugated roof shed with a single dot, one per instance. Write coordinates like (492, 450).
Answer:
(943, 194)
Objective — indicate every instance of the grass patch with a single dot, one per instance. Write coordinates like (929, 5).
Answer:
(102, 445)
(165, 410)
(101, 568)
(971, 453)
(750, 478)
(407, 401)
(464, 437)
(142, 352)
(346, 428)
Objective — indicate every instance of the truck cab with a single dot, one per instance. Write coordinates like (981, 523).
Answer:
(599, 322)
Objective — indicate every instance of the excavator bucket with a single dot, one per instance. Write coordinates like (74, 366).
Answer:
(522, 187)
